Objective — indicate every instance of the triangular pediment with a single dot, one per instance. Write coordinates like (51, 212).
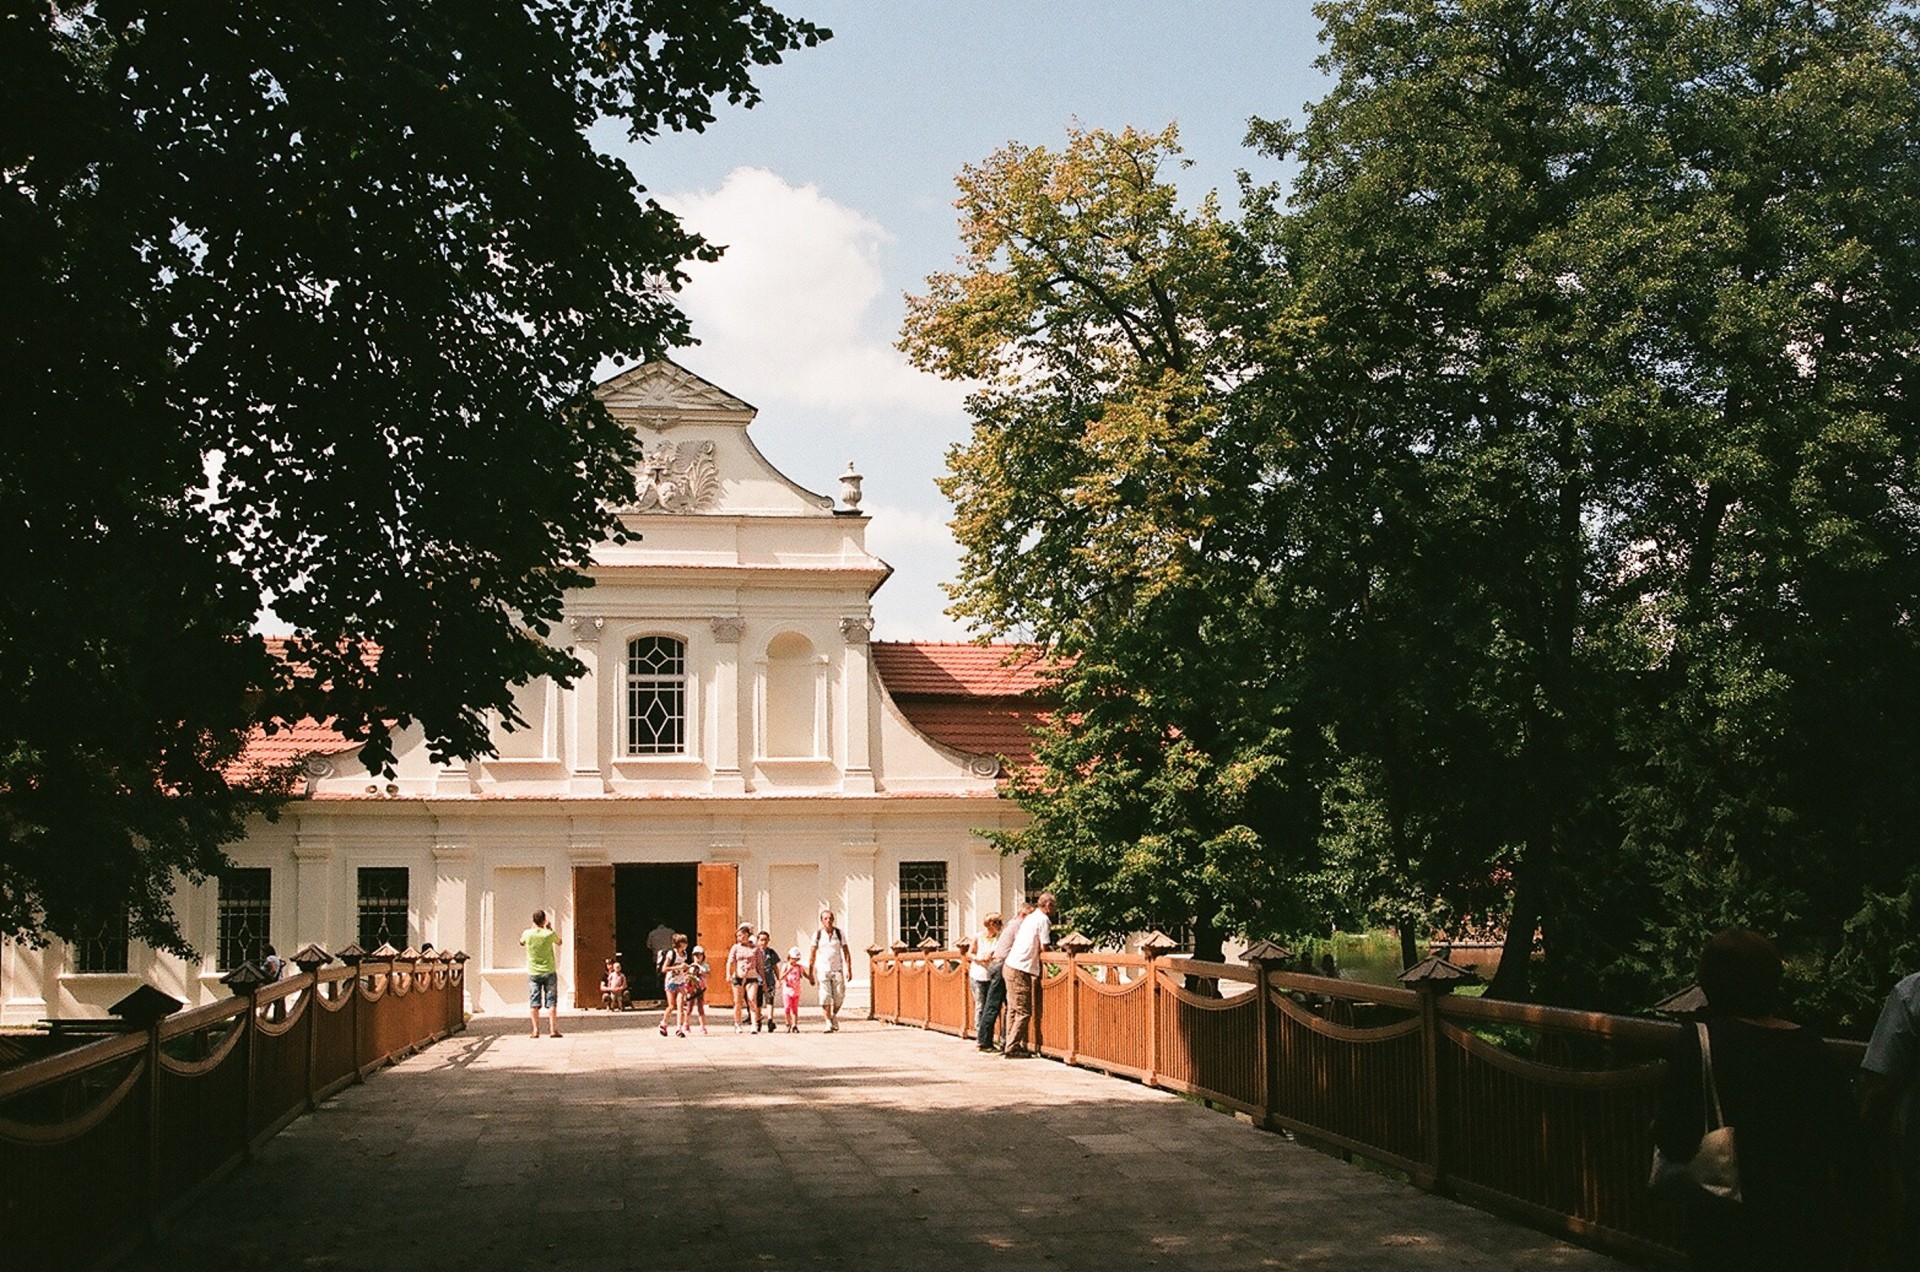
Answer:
(696, 455)
(661, 394)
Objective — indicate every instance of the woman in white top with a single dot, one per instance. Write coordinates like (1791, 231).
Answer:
(989, 984)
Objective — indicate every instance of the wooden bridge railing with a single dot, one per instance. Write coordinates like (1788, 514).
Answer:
(106, 1140)
(1543, 1113)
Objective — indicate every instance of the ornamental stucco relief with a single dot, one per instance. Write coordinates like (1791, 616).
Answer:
(677, 478)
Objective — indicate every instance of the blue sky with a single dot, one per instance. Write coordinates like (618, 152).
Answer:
(834, 198)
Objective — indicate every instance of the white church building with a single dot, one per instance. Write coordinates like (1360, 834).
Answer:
(739, 749)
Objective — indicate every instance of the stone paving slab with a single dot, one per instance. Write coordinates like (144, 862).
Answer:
(613, 1148)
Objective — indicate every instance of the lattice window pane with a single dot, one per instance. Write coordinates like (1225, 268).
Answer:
(656, 696)
(246, 912)
(102, 948)
(383, 907)
(923, 902)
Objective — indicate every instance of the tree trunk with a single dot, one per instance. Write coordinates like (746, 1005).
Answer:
(1513, 980)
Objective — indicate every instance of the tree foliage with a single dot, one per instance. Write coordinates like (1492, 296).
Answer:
(304, 301)
(1548, 547)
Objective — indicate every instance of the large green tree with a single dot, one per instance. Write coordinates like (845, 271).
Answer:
(1102, 508)
(1616, 304)
(302, 304)
(1536, 539)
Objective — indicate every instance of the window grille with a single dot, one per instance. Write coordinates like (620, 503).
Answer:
(102, 948)
(383, 907)
(656, 696)
(923, 902)
(246, 910)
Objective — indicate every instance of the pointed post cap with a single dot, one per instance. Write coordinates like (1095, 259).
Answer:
(385, 954)
(899, 947)
(460, 956)
(245, 978)
(409, 955)
(311, 957)
(1076, 943)
(1156, 943)
(145, 1005)
(875, 951)
(1435, 973)
(1690, 1001)
(1264, 952)
(928, 945)
(353, 955)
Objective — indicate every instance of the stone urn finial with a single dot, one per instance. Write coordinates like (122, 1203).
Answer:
(850, 486)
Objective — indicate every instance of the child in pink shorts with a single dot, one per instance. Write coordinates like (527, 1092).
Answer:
(790, 976)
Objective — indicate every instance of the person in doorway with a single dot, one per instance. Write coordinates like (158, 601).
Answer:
(543, 974)
(988, 979)
(673, 976)
(790, 977)
(828, 963)
(743, 973)
(1022, 973)
(659, 945)
(769, 965)
(613, 987)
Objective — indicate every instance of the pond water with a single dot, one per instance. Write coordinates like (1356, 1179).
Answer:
(1374, 957)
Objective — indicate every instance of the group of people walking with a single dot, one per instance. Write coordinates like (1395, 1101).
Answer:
(759, 977)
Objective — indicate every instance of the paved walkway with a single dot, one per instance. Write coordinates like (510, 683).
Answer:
(876, 1148)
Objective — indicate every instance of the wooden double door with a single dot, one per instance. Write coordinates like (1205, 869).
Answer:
(599, 932)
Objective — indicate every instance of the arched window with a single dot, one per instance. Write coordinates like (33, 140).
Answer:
(793, 676)
(656, 696)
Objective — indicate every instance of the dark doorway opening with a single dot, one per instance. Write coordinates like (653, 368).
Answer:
(644, 897)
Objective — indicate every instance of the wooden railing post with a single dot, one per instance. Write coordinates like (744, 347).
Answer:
(1263, 957)
(352, 956)
(1434, 978)
(245, 981)
(310, 958)
(1152, 946)
(928, 948)
(145, 1008)
(1073, 945)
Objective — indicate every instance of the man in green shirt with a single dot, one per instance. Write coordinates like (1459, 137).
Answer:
(543, 974)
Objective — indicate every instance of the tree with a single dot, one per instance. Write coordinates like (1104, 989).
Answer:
(1614, 310)
(1100, 508)
(1528, 533)
(304, 305)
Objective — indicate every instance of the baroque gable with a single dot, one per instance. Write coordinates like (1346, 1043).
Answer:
(660, 395)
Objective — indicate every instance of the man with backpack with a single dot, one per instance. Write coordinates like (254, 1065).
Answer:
(828, 964)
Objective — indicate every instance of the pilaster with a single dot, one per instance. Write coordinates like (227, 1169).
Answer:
(856, 707)
(729, 770)
(313, 889)
(583, 710)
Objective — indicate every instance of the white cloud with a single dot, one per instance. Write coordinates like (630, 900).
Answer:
(797, 309)
(922, 551)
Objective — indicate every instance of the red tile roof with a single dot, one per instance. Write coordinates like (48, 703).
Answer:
(958, 670)
(267, 752)
(978, 699)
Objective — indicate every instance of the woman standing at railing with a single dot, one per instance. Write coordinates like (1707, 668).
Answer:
(989, 981)
(1788, 1104)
